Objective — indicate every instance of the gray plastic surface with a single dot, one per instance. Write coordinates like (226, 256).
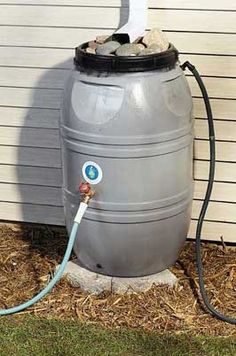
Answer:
(139, 128)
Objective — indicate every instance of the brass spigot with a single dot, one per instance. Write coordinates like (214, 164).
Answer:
(86, 192)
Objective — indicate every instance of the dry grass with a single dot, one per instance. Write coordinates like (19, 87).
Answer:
(28, 255)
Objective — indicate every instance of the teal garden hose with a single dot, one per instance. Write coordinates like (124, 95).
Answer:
(81, 211)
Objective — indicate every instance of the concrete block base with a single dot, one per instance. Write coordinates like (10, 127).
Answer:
(95, 283)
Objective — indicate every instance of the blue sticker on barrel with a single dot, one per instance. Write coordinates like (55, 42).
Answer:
(91, 172)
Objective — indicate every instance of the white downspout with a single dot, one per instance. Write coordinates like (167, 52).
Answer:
(137, 22)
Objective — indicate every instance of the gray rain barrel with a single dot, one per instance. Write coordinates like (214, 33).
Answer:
(127, 127)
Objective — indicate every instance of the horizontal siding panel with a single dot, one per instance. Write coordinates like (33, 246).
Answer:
(28, 156)
(29, 117)
(212, 65)
(32, 213)
(37, 57)
(31, 175)
(31, 194)
(91, 17)
(225, 192)
(223, 212)
(49, 138)
(216, 87)
(15, 136)
(224, 130)
(180, 4)
(48, 37)
(63, 58)
(207, 21)
(54, 215)
(222, 109)
(33, 78)
(55, 78)
(225, 172)
(201, 43)
(213, 231)
(52, 177)
(225, 151)
(34, 194)
(48, 118)
(37, 98)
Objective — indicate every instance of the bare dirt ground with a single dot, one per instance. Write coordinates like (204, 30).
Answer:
(29, 254)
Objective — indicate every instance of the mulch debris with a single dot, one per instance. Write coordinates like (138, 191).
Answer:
(29, 254)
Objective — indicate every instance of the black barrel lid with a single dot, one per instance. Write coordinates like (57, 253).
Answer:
(89, 61)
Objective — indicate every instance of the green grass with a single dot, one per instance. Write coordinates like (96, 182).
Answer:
(23, 336)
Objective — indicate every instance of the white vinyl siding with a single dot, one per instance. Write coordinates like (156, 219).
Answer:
(37, 40)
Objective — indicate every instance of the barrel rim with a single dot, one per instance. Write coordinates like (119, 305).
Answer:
(125, 64)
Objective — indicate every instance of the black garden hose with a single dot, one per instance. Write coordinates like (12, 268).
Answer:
(211, 130)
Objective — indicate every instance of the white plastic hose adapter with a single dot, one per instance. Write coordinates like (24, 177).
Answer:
(80, 213)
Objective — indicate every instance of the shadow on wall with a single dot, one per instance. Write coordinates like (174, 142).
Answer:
(39, 164)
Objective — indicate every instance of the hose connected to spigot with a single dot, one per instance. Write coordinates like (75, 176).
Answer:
(87, 193)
